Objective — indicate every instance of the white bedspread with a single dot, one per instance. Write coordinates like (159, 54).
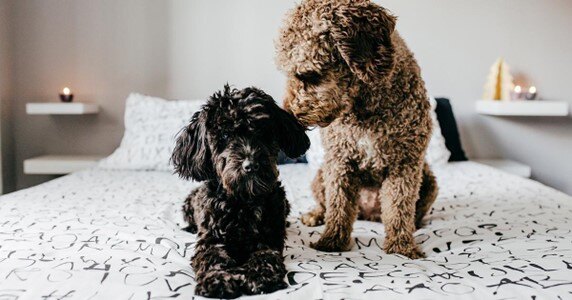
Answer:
(115, 235)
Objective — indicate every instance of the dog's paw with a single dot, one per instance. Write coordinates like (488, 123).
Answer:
(413, 252)
(273, 287)
(332, 244)
(312, 219)
(220, 284)
(265, 286)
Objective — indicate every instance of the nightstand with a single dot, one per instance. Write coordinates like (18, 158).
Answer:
(536, 108)
(60, 108)
(60, 164)
(508, 166)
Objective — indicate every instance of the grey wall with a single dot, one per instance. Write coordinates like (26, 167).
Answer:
(102, 50)
(187, 49)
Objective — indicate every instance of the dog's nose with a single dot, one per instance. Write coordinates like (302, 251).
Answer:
(249, 166)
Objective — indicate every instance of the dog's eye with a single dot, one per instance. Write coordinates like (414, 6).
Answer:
(312, 77)
(224, 136)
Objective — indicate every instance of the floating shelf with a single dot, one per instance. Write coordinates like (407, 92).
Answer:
(60, 108)
(508, 166)
(59, 164)
(536, 108)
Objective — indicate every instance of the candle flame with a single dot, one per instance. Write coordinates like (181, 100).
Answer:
(66, 91)
(532, 90)
(518, 89)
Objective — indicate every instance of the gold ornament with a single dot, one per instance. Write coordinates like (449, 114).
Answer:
(499, 82)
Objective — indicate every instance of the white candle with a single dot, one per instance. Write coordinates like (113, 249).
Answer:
(66, 91)
(516, 93)
(531, 95)
(517, 89)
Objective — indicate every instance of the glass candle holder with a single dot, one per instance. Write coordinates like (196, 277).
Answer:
(516, 93)
(531, 94)
(66, 95)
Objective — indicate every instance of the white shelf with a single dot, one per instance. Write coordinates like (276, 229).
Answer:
(61, 108)
(538, 108)
(59, 164)
(508, 166)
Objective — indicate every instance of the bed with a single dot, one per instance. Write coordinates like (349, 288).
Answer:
(104, 234)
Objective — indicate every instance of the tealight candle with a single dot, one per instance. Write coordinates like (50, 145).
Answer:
(516, 94)
(66, 95)
(531, 95)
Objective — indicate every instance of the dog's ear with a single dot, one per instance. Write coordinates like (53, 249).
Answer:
(290, 134)
(362, 35)
(192, 156)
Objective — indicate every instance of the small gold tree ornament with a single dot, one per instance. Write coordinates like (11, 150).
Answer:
(499, 82)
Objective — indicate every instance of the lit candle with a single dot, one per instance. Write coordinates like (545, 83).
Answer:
(531, 95)
(516, 94)
(66, 95)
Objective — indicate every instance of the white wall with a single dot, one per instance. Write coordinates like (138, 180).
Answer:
(215, 41)
(457, 41)
(188, 49)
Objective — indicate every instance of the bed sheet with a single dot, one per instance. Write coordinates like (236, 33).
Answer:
(102, 234)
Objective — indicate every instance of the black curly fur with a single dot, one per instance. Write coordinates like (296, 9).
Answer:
(239, 215)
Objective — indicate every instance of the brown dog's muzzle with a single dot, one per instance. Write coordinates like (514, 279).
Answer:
(308, 110)
(311, 120)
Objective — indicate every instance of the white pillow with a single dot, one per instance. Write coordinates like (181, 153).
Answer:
(437, 153)
(151, 127)
(315, 154)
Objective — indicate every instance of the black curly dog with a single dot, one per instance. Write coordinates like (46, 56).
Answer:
(240, 210)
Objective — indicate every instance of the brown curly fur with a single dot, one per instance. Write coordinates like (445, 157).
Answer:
(351, 73)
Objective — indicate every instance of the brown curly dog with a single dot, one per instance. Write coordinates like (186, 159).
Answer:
(350, 72)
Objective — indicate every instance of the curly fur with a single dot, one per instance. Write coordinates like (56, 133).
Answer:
(240, 210)
(350, 72)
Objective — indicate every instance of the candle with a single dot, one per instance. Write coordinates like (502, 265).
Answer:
(531, 95)
(516, 94)
(66, 95)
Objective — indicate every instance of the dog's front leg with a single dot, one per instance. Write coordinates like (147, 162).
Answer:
(399, 193)
(265, 271)
(215, 272)
(193, 204)
(189, 214)
(341, 208)
(427, 195)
